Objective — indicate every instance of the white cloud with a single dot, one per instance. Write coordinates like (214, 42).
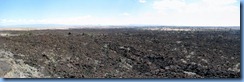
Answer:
(165, 5)
(142, 1)
(203, 12)
(219, 2)
(125, 14)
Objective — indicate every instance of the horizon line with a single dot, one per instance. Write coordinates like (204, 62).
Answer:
(16, 25)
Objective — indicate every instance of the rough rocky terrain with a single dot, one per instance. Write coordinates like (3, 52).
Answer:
(120, 53)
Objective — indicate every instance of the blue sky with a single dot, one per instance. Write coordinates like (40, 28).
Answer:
(65, 8)
(121, 12)
(36, 9)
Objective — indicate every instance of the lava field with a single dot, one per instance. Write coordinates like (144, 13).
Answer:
(127, 53)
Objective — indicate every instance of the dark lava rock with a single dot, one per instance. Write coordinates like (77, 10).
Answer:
(128, 53)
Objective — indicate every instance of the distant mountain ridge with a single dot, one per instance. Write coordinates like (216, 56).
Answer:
(60, 26)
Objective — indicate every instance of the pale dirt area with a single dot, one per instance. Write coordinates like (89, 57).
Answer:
(16, 68)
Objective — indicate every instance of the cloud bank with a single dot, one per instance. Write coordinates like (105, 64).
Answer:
(202, 12)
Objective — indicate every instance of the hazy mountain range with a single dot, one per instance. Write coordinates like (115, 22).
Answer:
(60, 26)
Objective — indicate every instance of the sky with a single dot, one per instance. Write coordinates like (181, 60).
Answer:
(121, 12)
